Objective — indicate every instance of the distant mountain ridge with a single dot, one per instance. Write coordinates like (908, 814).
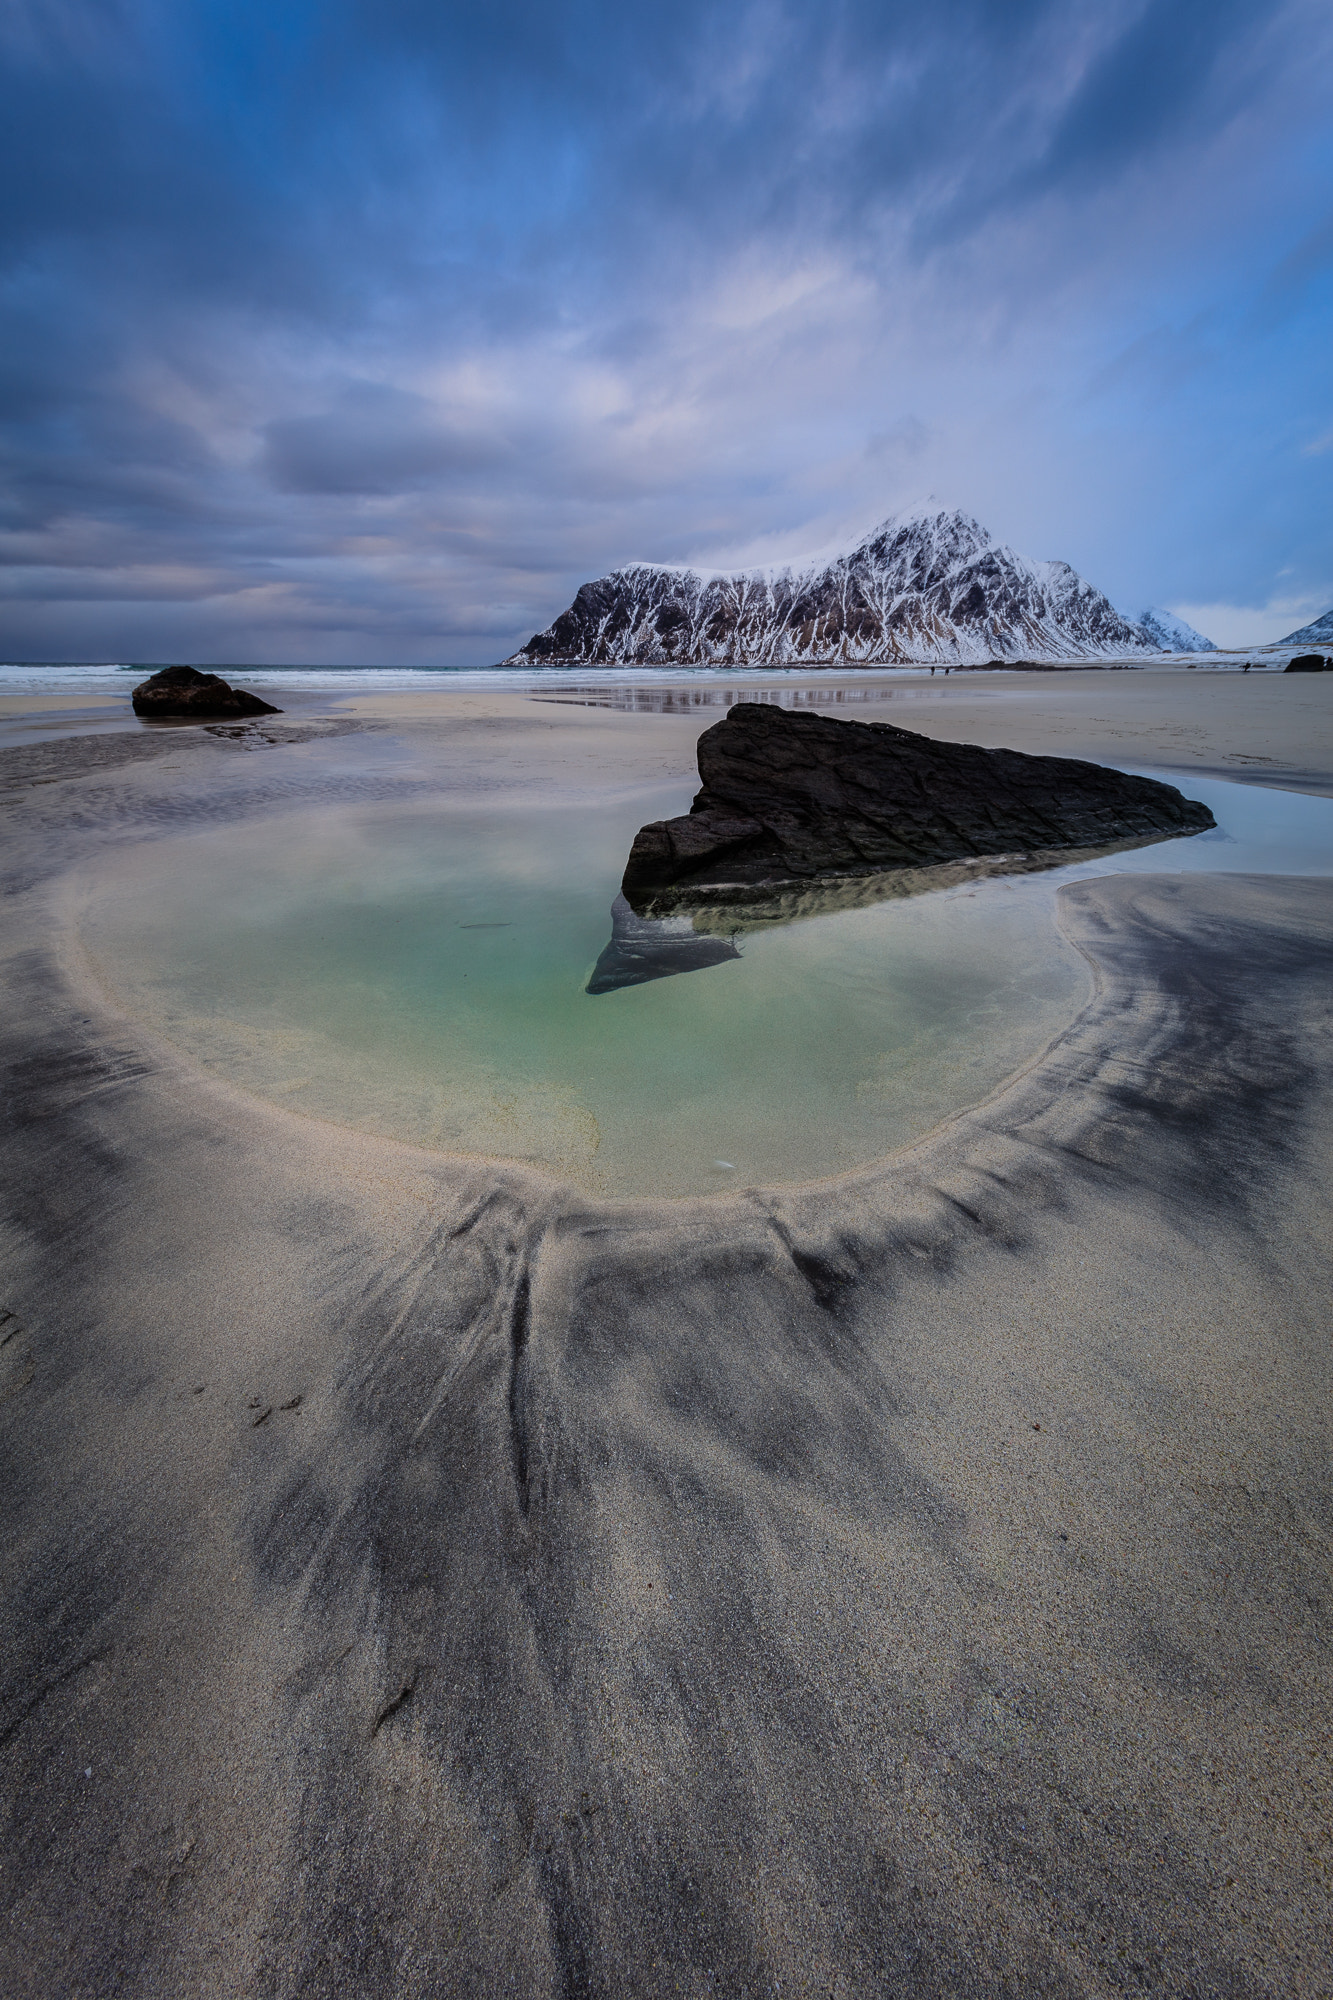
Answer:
(1172, 634)
(929, 586)
(1318, 634)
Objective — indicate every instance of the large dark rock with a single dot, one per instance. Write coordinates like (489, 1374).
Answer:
(185, 692)
(792, 797)
(1308, 663)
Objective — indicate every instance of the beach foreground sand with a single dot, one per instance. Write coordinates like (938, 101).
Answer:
(421, 1578)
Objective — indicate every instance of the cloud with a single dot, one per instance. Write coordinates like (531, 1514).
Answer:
(1241, 625)
(333, 325)
(1148, 84)
(906, 438)
(377, 439)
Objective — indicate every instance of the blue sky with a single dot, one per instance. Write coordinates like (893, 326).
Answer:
(365, 332)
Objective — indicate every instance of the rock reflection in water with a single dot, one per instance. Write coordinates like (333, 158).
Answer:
(733, 909)
(637, 699)
(644, 948)
(687, 931)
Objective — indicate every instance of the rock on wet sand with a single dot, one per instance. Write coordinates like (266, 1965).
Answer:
(789, 797)
(186, 694)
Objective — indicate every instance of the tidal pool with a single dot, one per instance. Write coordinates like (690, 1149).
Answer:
(421, 971)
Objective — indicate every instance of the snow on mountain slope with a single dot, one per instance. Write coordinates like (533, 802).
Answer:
(1172, 634)
(927, 586)
(1318, 634)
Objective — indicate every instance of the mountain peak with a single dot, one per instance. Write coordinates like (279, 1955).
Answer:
(927, 520)
(928, 512)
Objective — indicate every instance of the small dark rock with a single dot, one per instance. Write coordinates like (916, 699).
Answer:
(184, 692)
(794, 797)
(1309, 663)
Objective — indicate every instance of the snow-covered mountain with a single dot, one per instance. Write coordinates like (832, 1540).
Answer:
(931, 585)
(1318, 634)
(1172, 634)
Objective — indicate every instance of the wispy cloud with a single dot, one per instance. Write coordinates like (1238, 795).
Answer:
(344, 330)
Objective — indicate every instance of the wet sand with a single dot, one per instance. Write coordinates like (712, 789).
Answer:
(421, 1578)
(22, 705)
(1260, 728)
(1263, 727)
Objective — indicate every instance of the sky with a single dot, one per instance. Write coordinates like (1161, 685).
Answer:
(366, 330)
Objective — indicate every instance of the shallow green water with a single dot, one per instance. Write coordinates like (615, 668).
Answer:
(422, 973)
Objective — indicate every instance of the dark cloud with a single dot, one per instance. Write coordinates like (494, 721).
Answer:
(905, 439)
(323, 320)
(1148, 86)
(377, 439)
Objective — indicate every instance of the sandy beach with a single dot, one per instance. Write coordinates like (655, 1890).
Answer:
(425, 1577)
(1263, 727)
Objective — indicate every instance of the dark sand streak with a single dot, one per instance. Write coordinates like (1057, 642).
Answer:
(916, 1583)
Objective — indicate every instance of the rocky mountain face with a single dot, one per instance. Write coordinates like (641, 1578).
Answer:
(929, 586)
(789, 797)
(1172, 634)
